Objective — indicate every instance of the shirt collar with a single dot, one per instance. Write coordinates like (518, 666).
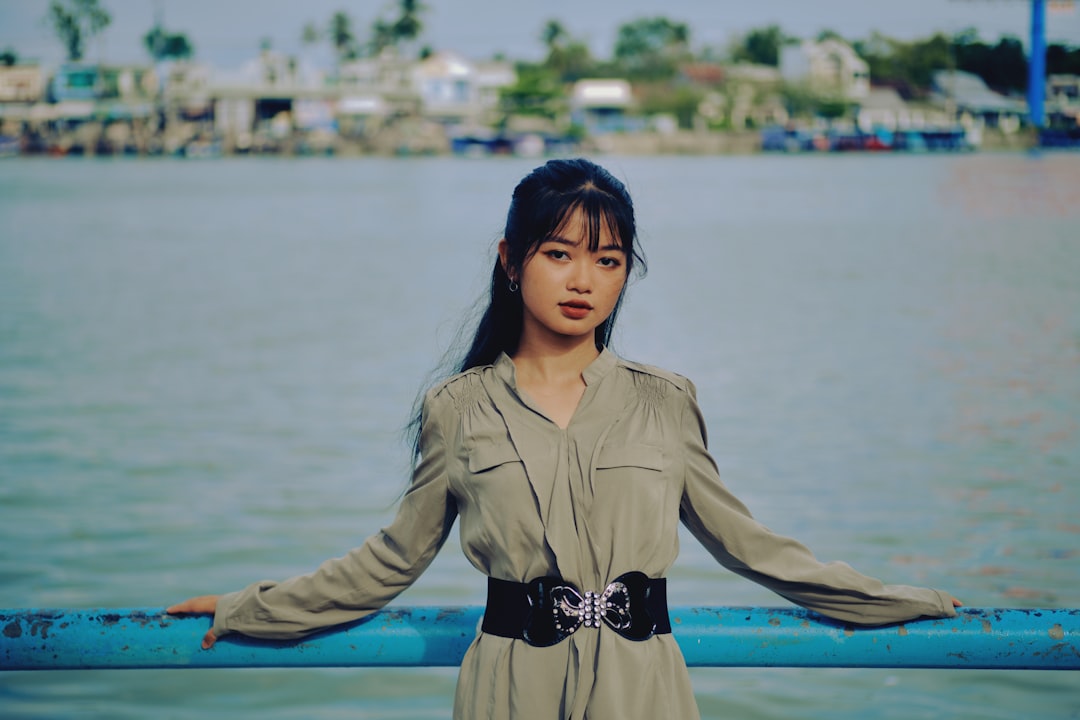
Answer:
(599, 367)
(592, 374)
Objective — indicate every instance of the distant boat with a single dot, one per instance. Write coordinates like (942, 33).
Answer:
(915, 140)
(9, 146)
(532, 144)
(201, 149)
(1060, 138)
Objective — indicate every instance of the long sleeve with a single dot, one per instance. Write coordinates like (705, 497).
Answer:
(739, 542)
(348, 588)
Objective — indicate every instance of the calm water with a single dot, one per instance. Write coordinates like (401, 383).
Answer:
(204, 368)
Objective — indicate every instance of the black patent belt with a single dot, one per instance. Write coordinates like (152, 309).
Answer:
(548, 609)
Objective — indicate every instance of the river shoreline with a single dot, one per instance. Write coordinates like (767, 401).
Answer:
(109, 140)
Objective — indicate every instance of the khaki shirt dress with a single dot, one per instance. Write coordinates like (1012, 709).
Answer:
(588, 503)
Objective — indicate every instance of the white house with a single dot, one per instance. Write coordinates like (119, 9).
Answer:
(373, 89)
(974, 102)
(828, 66)
(22, 84)
(446, 85)
(453, 89)
(491, 77)
(601, 105)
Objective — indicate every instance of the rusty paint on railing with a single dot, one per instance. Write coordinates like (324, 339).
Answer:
(986, 638)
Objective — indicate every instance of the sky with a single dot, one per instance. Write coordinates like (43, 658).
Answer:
(227, 33)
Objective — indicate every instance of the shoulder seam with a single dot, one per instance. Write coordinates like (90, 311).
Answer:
(679, 381)
(436, 389)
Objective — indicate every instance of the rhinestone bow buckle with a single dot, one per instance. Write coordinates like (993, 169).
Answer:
(558, 609)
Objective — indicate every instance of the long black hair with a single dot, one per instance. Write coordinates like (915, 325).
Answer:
(542, 203)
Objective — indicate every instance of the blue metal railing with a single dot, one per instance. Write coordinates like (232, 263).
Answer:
(438, 636)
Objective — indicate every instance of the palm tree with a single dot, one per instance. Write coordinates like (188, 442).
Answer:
(341, 37)
(163, 45)
(408, 25)
(382, 36)
(310, 35)
(75, 22)
(309, 38)
(553, 34)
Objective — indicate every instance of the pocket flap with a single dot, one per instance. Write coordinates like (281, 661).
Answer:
(643, 456)
(486, 457)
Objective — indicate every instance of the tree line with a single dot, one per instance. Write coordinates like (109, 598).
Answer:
(907, 66)
(654, 53)
(77, 22)
(646, 48)
(656, 48)
(651, 52)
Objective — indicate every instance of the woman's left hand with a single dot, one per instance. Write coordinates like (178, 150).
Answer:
(202, 605)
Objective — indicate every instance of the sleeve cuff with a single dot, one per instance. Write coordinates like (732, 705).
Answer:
(226, 604)
(947, 607)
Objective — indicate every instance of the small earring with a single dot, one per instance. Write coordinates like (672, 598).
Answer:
(513, 286)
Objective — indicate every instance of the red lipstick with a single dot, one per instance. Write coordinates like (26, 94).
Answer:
(575, 309)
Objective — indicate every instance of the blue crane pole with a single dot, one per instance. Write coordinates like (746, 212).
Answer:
(985, 638)
(1037, 64)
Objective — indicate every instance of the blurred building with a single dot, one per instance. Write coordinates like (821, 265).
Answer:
(601, 106)
(971, 101)
(81, 108)
(22, 84)
(102, 83)
(829, 67)
(884, 108)
(1063, 99)
(437, 95)
(752, 93)
(384, 82)
(454, 90)
(22, 92)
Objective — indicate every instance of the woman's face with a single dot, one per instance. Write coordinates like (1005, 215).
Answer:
(567, 289)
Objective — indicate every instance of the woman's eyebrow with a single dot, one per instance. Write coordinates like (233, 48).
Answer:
(562, 241)
(577, 243)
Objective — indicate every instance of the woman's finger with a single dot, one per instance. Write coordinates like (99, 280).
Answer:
(201, 605)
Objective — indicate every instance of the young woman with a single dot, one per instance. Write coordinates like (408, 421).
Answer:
(570, 469)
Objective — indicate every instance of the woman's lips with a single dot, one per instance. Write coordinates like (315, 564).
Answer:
(575, 310)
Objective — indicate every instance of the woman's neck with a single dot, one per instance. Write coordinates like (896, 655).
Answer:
(545, 363)
(551, 375)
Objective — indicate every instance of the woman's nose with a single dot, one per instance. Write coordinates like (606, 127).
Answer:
(581, 277)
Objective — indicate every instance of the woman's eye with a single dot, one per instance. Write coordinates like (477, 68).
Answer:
(557, 254)
(610, 262)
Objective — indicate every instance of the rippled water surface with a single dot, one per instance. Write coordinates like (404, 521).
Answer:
(204, 368)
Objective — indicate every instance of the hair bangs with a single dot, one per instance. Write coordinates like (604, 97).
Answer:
(598, 216)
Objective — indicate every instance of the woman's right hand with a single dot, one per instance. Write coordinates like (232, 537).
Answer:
(201, 605)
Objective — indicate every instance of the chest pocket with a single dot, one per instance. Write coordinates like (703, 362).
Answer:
(631, 456)
(495, 469)
(488, 457)
(631, 476)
